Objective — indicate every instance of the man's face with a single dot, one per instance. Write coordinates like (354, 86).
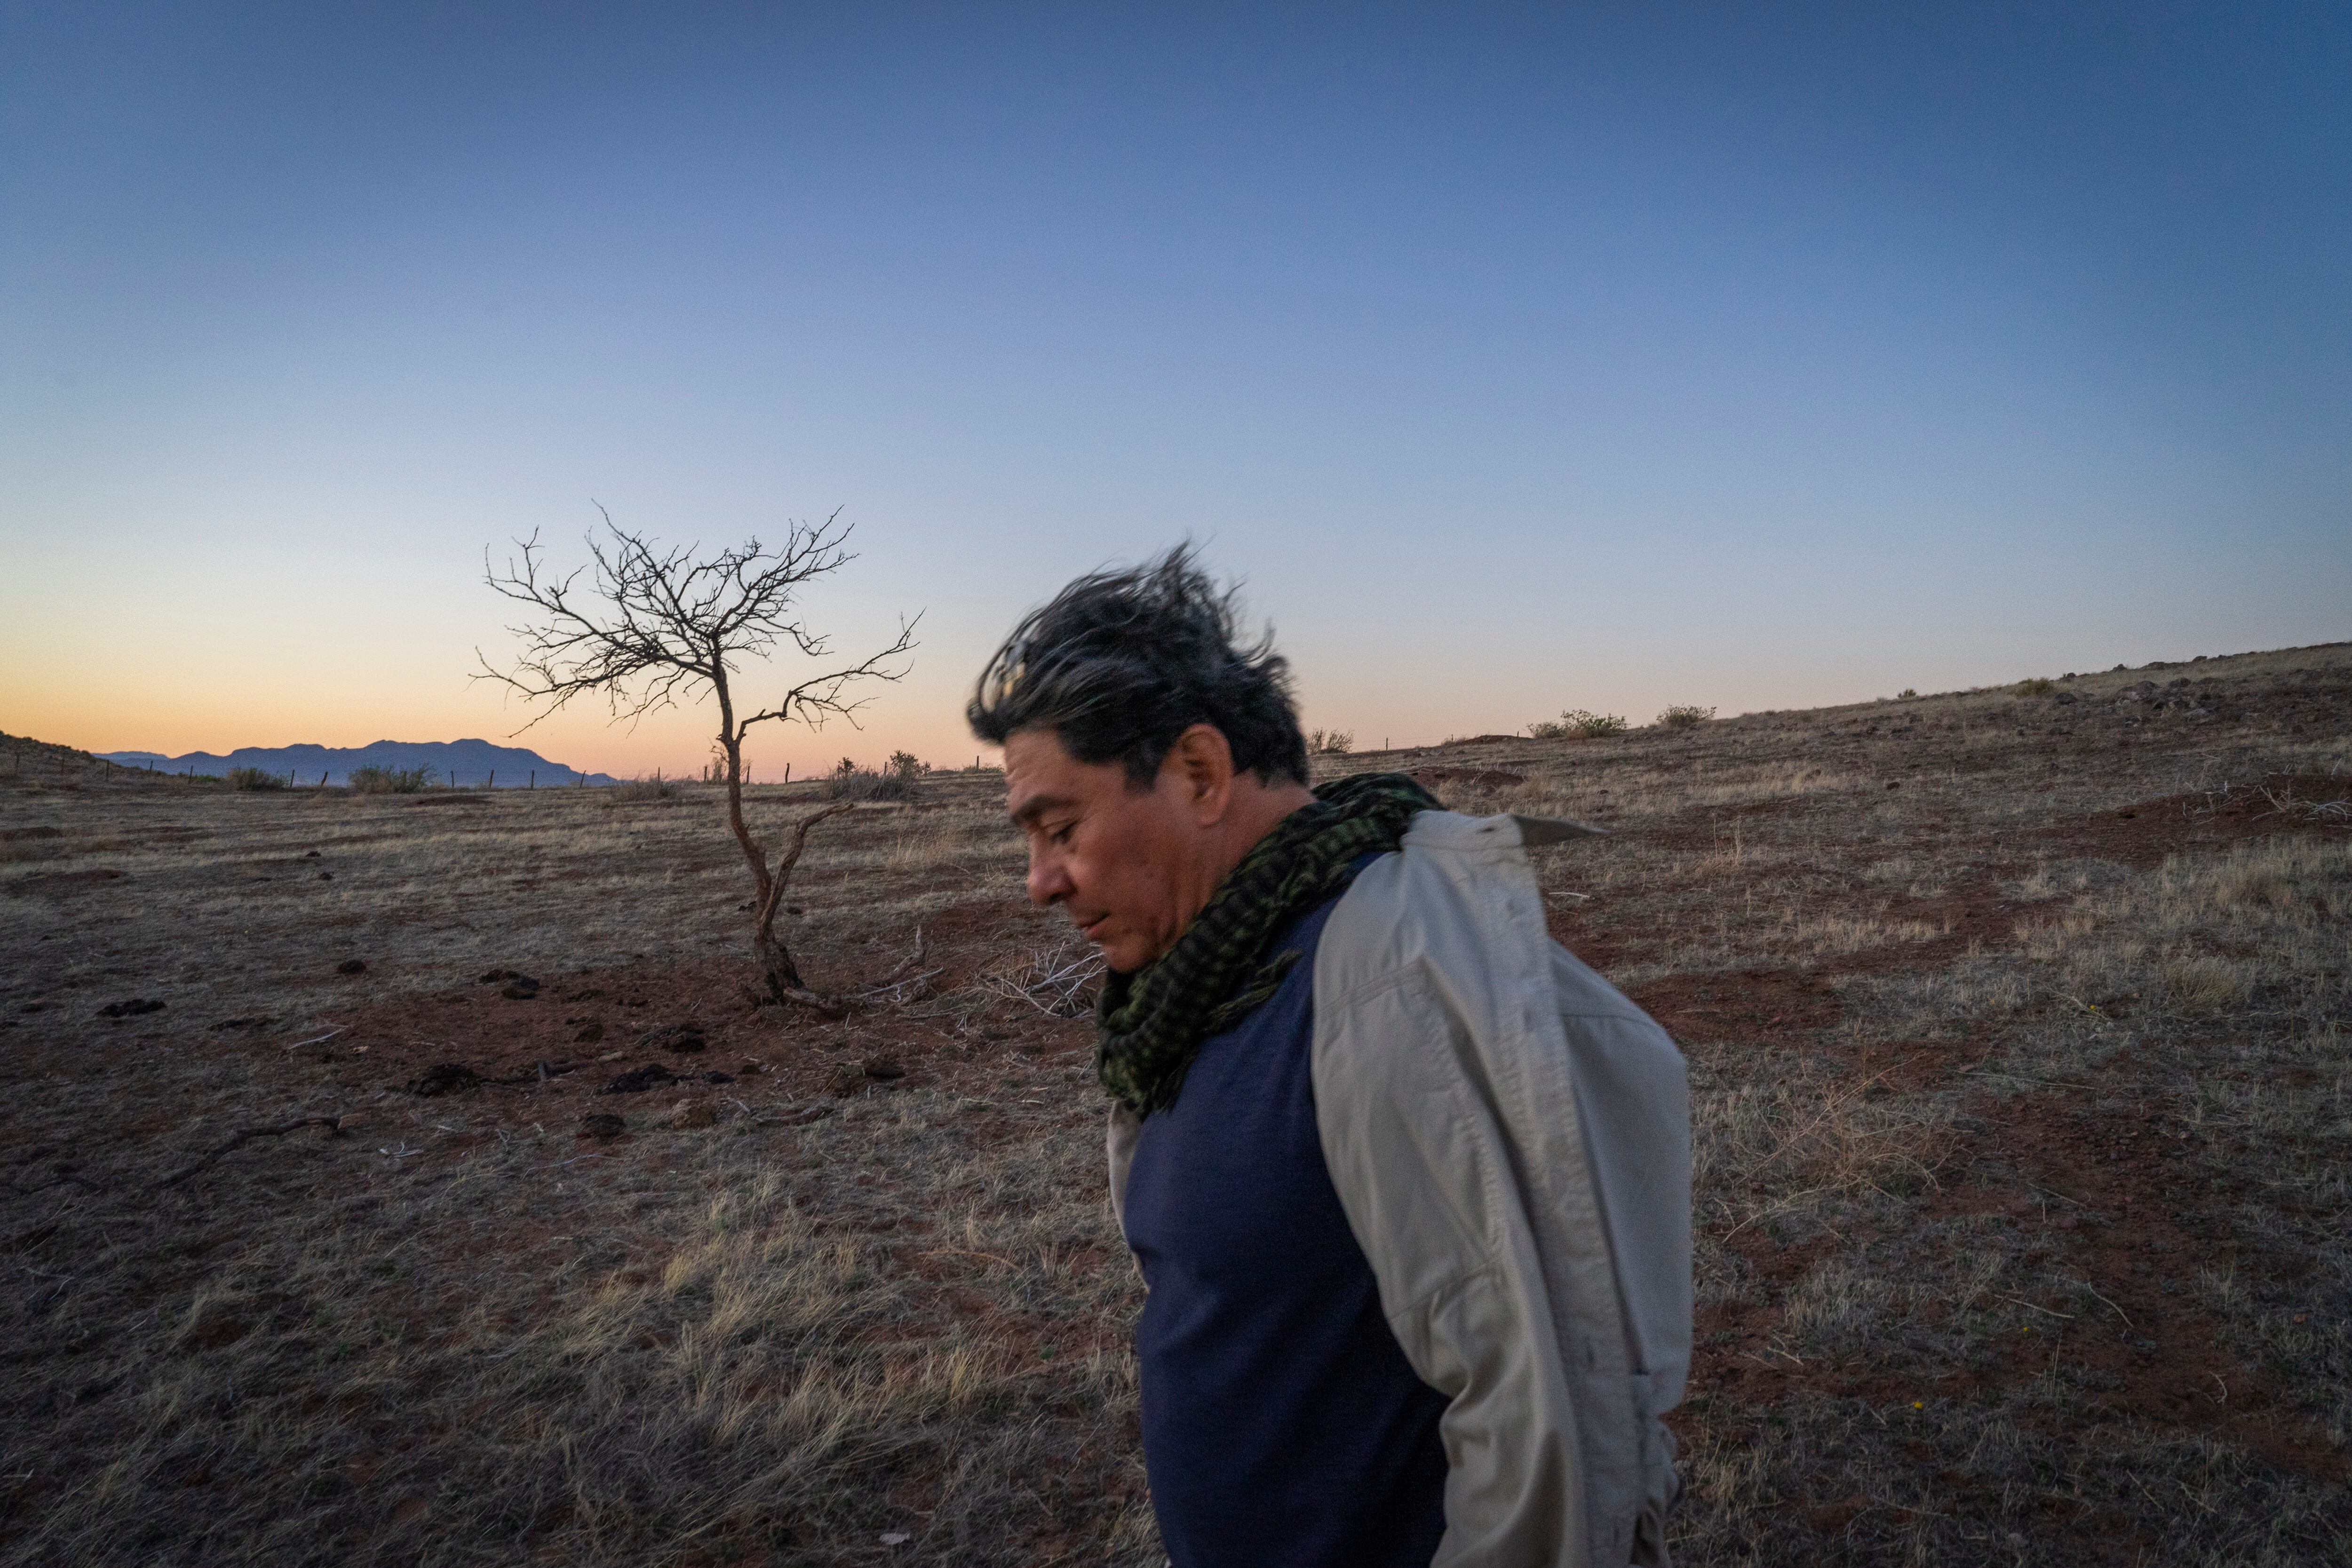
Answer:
(1129, 865)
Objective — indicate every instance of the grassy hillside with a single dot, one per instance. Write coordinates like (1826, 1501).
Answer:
(2018, 1026)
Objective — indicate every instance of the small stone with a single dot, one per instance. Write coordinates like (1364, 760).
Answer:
(130, 1009)
(884, 1067)
(652, 1075)
(847, 1078)
(673, 1038)
(351, 967)
(522, 991)
(688, 1113)
(589, 1034)
(602, 1125)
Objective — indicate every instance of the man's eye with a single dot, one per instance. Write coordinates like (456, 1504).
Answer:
(1061, 834)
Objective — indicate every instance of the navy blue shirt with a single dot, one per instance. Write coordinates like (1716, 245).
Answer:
(1282, 1425)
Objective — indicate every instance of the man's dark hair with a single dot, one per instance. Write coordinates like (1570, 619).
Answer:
(1121, 663)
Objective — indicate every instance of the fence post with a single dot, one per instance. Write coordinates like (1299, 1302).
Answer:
(534, 780)
(494, 778)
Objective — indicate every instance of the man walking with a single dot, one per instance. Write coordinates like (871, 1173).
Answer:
(1409, 1184)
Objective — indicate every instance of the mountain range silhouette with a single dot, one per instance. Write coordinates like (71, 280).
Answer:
(469, 764)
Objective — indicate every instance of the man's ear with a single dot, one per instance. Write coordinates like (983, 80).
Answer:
(1205, 758)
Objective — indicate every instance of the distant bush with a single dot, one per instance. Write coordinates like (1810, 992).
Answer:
(1685, 716)
(654, 788)
(1906, 694)
(2038, 686)
(1583, 725)
(906, 766)
(372, 780)
(1548, 730)
(1331, 742)
(253, 778)
(850, 782)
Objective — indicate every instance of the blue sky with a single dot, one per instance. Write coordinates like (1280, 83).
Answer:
(1519, 358)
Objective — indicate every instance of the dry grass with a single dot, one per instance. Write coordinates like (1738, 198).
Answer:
(2023, 1128)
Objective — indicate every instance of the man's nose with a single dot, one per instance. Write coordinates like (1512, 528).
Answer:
(1049, 883)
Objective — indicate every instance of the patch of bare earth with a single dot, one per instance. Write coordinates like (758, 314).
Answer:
(413, 1180)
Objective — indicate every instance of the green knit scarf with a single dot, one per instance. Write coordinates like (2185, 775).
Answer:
(1150, 1023)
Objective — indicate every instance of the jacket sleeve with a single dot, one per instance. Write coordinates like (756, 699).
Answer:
(1118, 1142)
(1424, 1175)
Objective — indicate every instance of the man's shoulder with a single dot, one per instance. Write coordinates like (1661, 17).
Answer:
(1453, 888)
(1457, 904)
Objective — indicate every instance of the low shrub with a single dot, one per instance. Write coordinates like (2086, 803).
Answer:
(253, 778)
(2037, 686)
(373, 780)
(1685, 716)
(850, 782)
(1583, 725)
(1330, 742)
(1906, 694)
(908, 767)
(654, 788)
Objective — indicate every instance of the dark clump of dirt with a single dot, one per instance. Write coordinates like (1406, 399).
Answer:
(636, 1080)
(444, 1078)
(351, 967)
(652, 1075)
(602, 1125)
(130, 1009)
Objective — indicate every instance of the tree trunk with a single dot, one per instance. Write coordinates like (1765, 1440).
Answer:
(782, 976)
(776, 967)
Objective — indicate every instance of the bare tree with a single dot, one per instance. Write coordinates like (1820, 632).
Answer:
(651, 627)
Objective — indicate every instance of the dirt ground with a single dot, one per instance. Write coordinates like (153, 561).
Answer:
(409, 1179)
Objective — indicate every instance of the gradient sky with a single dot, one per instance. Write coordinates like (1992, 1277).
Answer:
(1517, 358)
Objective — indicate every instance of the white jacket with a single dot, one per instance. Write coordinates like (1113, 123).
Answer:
(1510, 1140)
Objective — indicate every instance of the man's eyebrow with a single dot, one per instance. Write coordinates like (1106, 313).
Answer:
(1037, 806)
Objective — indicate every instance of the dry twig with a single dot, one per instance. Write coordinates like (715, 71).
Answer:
(1055, 984)
(329, 1122)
